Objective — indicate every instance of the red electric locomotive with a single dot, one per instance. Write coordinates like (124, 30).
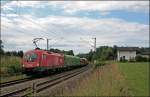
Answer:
(39, 60)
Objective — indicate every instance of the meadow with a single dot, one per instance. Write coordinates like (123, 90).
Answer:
(115, 79)
(136, 76)
(105, 80)
(10, 65)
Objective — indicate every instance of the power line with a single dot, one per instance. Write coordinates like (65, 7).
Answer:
(86, 41)
(56, 42)
(30, 20)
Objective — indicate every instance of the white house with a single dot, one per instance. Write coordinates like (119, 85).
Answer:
(126, 53)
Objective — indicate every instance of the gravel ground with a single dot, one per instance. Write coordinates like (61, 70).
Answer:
(67, 85)
(15, 87)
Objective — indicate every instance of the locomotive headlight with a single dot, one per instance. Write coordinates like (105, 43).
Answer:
(38, 64)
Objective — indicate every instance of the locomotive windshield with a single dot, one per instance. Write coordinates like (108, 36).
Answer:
(30, 57)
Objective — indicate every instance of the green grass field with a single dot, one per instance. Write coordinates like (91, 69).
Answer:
(10, 65)
(104, 81)
(118, 79)
(137, 77)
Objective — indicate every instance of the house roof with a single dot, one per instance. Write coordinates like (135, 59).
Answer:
(127, 48)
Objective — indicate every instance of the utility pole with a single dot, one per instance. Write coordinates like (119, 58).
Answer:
(48, 43)
(94, 47)
(94, 44)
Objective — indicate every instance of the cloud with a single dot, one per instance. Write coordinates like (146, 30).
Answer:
(75, 6)
(108, 31)
(133, 6)
(70, 32)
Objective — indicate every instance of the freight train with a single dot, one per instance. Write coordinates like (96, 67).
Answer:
(38, 60)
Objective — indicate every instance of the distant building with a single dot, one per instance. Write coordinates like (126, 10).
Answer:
(126, 53)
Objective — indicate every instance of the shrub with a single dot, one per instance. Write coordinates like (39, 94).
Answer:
(132, 60)
(123, 60)
(10, 65)
(141, 59)
(100, 63)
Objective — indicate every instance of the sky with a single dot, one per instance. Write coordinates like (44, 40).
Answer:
(72, 25)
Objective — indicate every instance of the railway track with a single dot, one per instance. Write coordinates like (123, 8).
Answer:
(38, 86)
(5, 84)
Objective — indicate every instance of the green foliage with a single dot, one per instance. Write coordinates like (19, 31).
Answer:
(142, 49)
(10, 65)
(11, 78)
(123, 59)
(103, 53)
(1, 47)
(132, 60)
(137, 76)
(88, 56)
(9, 53)
(100, 63)
(70, 52)
(102, 82)
(141, 59)
(14, 53)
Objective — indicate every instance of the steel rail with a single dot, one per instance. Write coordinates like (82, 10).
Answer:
(47, 84)
(58, 80)
(5, 84)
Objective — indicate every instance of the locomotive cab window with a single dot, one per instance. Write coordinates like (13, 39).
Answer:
(30, 57)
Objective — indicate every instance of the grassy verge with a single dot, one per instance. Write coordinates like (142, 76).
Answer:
(11, 78)
(106, 80)
(10, 65)
(137, 77)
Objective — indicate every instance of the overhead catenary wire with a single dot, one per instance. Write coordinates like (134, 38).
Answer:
(30, 20)
(41, 26)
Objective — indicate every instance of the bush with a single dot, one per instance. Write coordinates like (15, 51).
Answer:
(141, 59)
(10, 65)
(132, 60)
(123, 60)
(14, 69)
(100, 63)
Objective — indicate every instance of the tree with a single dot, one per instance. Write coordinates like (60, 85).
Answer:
(20, 54)
(70, 52)
(115, 52)
(8, 53)
(90, 55)
(1, 47)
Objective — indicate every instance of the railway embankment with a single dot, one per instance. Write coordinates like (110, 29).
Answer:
(68, 85)
(115, 79)
(37, 87)
(105, 80)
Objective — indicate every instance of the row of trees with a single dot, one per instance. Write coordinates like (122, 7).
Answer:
(20, 53)
(109, 53)
(102, 53)
(70, 52)
(9, 53)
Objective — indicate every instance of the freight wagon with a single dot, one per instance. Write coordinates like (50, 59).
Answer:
(41, 60)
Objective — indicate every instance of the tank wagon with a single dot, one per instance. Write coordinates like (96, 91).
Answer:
(40, 60)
